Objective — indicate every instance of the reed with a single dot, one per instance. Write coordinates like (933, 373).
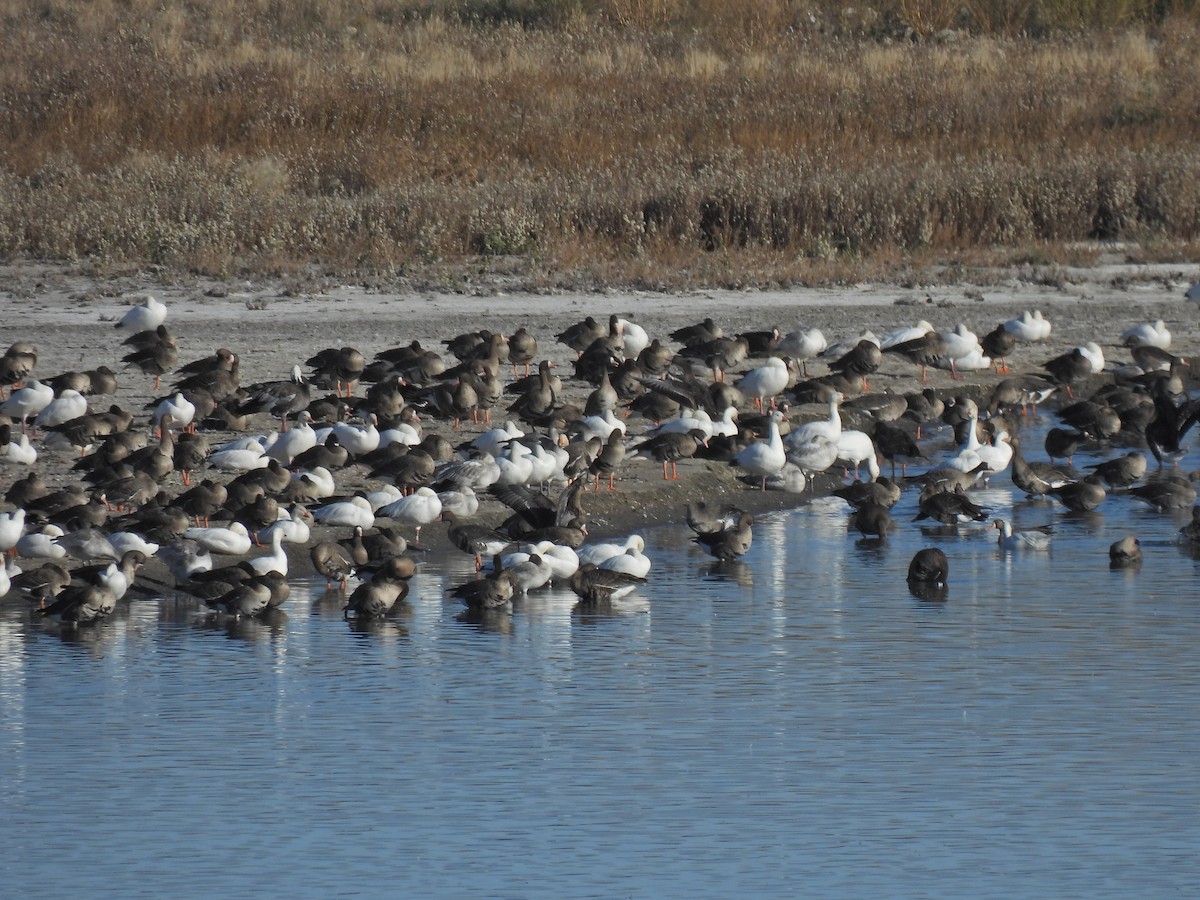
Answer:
(649, 142)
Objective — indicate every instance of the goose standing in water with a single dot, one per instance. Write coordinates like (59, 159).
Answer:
(1125, 553)
(1022, 539)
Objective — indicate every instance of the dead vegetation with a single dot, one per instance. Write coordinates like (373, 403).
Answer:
(644, 142)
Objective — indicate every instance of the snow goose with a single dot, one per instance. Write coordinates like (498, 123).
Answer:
(419, 508)
(286, 445)
(1029, 327)
(355, 511)
(765, 382)
(359, 439)
(904, 334)
(319, 482)
(239, 459)
(128, 541)
(28, 401)
(632, 562)
(68, 405)
(494, 440)
(1022, 539)
(145, 316)
(763, 459)
(962, 348)
(16, 449)
(856, 447)
(233, 540)
(1147, 334)
(275, 561)
(185, 558)
(830, 429)
(633, 337)
(292, 525)
(12, 527)
(181, 410)
(598, 553)
(41, 544)
(803, 345)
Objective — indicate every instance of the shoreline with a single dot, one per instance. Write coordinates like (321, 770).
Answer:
(70, 317)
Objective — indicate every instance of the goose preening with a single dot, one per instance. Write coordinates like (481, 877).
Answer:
(929, 567)
(596, 585)
(729, 543)
(1125, 553)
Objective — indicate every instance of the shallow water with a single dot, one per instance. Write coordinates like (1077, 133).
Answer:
(796, 721)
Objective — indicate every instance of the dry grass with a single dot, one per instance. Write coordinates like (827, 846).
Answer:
(761, 144)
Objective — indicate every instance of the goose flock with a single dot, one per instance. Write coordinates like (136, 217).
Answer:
(344, 459)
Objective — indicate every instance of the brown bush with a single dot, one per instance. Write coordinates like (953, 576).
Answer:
(633, 141)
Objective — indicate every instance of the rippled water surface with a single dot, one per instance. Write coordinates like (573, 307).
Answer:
(798, 722)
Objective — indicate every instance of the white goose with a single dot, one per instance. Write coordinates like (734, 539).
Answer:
(908, 333)
(855, 448)
(419, 508)
(28, 401)
(125, 541)
(239, 458)
(19, 451)
(320, 481)
(359, 439)
(493, 441)
(597, 554)
(41, 544)
(287, 445)
(70, 404)
(802, 345)
(830, 429)
(233, 540)
(1020, 540)
(12, 527)
(275, 561)
(146, 316)
(292, 526)
(181, 410)
(631, 562)
(1029, 327)
(765, 382)
(1148, 334)
(764, 458)
(633, 336)
(355, 512)
(961, 343)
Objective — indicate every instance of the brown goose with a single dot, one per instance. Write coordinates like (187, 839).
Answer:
(333, 561)
(922, 351)
(729, 543)
(929, 566)
(595, 585)
(489, 592)
(522, 349)
(1125, 553)
(1081, 496)
(342, 367)
(388, 586)
(669, 448)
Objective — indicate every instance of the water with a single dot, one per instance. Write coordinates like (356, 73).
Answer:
(798, 722)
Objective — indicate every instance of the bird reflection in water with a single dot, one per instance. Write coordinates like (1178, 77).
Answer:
(488, 621)
(729, 570)
(269, 625)
(388, 628)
